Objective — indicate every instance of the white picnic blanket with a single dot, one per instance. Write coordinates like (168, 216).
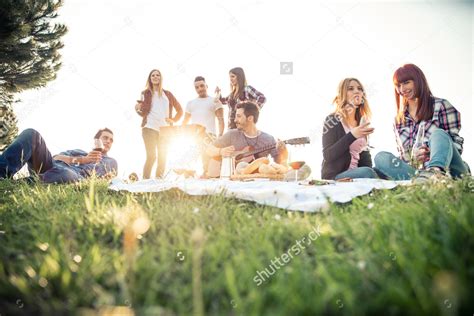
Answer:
(285, 195)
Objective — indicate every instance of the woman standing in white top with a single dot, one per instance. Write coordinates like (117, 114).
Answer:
(156, 108)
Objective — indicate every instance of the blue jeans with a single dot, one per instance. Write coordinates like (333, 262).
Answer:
(30, 148)
(153, 143)
(443, 155)
(360, 172)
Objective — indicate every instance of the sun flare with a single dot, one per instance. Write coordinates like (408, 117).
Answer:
(184, 153)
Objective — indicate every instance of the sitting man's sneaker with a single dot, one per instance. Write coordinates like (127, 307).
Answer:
(431, 175)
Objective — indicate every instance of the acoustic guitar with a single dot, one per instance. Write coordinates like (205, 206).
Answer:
(248, 154)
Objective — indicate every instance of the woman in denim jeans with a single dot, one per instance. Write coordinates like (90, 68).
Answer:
(156, 108)
(440, 154)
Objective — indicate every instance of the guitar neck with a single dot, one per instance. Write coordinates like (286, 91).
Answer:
(256, 151)
(293, 141)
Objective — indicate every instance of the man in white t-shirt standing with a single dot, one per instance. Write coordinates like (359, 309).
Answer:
(203, 111)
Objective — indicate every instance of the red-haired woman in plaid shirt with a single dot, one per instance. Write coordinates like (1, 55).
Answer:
(240, 92)
(440, 153)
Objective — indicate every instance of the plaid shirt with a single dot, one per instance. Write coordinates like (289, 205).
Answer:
(250, 94)
(445, 116)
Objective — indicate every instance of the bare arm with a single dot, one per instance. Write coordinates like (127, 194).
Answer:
(282, 153)
(214, 151)
(187, 117)
(179, 112)
(220, 119)
(175, 104)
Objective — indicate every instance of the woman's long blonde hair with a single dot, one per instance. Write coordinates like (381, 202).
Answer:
(149, 84)
(340, 101)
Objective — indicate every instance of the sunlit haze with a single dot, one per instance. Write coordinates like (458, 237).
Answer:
(112, 45)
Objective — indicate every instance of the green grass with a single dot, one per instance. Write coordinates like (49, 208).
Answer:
(408, 251)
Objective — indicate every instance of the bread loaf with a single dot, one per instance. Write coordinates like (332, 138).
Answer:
(267, 169)
(281, 169)
(240, 167)
(252, 167)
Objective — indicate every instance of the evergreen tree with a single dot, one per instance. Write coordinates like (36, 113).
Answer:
(29, 53)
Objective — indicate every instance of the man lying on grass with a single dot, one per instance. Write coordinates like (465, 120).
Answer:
(69, 166)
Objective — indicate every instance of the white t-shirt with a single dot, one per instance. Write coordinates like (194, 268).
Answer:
(203, 112)
(160, 110)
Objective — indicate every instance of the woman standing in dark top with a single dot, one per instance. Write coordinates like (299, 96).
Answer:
(240, 92)
(345, 153)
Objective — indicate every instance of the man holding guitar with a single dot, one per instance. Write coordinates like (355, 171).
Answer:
(248, 138)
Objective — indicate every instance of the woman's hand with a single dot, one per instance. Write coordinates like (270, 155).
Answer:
(138, 106)
(282, 152)
(362, 130)
(280, 145)
(423, 154)
(169, 120)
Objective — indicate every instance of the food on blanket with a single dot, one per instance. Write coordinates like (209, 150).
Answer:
(240, 167)
(252, 167)
(320, 182)
(255, 176)
(133, 177)
(267, 169)
(186, 173)
(344, 180)
(281, 169)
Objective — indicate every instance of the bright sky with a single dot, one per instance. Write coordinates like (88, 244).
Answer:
(112, 45)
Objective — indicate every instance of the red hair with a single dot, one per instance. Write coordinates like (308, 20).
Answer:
(422, 92)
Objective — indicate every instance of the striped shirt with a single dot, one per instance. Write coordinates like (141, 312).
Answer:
(445, 116)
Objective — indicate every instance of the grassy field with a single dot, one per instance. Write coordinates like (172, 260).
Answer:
(83, 249)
